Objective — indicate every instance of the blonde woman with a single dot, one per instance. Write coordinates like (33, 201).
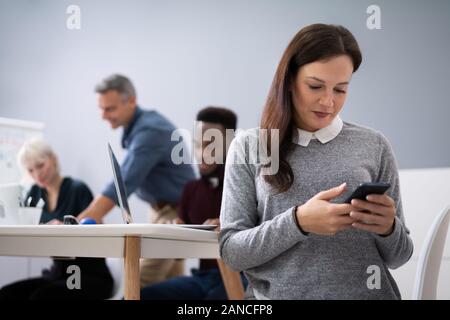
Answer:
(62, 196)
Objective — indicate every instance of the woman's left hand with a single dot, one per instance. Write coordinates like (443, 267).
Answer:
(379, 215)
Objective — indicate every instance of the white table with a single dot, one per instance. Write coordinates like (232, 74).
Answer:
(131, 242)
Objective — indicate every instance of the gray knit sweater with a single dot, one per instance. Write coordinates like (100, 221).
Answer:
(259, 234)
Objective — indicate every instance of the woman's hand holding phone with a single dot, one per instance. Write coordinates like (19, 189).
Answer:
(377, 214)
(318, 215)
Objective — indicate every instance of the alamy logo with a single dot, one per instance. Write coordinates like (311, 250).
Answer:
(374, 20)
(73, 21)
(74, 280)
(218, 142)
(374, 280)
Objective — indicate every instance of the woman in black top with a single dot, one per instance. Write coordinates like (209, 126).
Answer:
(62, 196)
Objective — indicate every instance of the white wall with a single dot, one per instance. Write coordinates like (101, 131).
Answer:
(183, 55)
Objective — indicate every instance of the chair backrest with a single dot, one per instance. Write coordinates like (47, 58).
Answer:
(430, 258)
(116, 267)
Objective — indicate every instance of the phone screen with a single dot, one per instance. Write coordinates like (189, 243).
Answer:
(364, 189)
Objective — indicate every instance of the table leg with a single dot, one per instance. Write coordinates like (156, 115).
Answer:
(132, 256)
(232, 281)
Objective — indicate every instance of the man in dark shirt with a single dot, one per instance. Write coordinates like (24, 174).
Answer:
(200, 204)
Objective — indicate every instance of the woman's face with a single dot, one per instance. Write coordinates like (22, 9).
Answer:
(44, 171)
(319, 92)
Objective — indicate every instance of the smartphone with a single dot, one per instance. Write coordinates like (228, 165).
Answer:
(364, 189)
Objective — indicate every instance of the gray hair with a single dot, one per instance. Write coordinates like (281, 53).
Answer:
(119, 83)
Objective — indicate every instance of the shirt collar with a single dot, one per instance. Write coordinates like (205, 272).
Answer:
(129, 127)
(324, 135)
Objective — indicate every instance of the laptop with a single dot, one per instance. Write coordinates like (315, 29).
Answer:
(120, 188)
(123, 198)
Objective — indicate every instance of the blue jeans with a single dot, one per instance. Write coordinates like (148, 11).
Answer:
(202, 285)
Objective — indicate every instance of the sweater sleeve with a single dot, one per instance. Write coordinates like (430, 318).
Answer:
(244, 241)
(395, 249)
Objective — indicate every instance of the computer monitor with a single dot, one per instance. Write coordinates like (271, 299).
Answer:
(120, 188)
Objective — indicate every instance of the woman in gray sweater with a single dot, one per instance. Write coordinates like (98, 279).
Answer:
(284, 221)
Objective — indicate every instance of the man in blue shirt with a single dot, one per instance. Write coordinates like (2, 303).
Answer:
(147, 169)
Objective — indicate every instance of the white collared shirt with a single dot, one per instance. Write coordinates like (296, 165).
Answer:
(324, 135)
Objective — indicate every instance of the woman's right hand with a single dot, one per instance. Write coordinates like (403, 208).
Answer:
(320, 216)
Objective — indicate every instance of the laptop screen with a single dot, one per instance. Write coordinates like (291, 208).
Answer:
(120, 188)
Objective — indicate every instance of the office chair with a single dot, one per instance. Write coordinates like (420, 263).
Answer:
(430, 258)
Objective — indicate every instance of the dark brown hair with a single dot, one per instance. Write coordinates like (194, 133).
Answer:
(313, 43)
(218, 115)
